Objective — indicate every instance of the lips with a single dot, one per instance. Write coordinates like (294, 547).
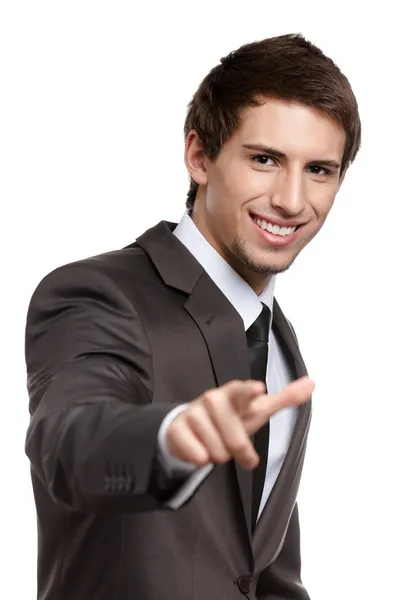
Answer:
(283, 237)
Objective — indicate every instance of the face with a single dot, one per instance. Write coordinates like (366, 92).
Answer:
(271, 188)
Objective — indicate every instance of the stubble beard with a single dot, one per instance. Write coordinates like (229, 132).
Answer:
(241, 253)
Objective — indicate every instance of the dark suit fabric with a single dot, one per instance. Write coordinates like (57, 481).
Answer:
(113, 342)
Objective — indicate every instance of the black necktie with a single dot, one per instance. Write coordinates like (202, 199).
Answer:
(257, 341)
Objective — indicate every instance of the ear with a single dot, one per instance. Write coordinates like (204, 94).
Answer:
(195, 158)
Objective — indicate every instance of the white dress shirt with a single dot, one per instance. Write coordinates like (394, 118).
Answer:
(248, 305)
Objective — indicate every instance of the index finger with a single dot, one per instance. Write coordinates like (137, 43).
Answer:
(262, 408)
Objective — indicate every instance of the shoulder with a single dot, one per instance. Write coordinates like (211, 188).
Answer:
(108, 273)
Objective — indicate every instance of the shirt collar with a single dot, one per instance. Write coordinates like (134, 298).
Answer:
(235, 288)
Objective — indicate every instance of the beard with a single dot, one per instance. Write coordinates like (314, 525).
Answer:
(240, 251)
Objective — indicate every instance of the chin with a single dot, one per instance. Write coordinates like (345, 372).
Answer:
(274, 269)
(267, 267)
(257, 261)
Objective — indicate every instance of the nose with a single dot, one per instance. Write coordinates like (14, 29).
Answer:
(290, 193)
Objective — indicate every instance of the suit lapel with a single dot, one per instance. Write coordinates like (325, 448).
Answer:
(223, 331)
(286, 335)
(219, 322)
(283, 495)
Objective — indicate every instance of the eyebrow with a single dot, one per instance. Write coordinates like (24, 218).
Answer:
(277, 154)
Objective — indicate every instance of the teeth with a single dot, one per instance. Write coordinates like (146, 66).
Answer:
(275, 229)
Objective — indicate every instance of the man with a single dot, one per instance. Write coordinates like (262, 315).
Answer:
(169, 400)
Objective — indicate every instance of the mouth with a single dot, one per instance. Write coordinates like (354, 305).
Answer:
(275, 234)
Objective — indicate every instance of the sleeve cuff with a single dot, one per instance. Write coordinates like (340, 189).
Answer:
(174, 468)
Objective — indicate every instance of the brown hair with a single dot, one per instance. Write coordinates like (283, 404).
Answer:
(287, 67)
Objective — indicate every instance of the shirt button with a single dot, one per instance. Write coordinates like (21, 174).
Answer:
(245, 583)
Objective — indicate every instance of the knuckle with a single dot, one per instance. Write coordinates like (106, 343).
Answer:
(236, 382)
(210, 398)
(175, 429)
(241, 447)
(194, 416)
(220, 456)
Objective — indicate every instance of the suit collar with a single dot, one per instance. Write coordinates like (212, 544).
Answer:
(176, 266)
(232, 285)
(181, 254)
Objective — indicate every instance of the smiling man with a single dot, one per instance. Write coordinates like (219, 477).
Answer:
(271, 188)
(169, 401)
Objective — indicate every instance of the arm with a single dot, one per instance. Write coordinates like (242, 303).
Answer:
(282, 579)
(92, 438)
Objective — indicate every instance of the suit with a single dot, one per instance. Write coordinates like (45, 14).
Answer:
(112, 344)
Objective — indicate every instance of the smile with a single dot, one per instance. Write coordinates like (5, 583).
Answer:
(275, 229)
(275, 236)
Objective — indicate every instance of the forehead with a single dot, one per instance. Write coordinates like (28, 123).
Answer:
(292, 128)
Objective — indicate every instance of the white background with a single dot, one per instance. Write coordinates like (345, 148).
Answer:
(92, 105)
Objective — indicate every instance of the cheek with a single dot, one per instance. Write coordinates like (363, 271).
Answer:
(258, 183)
(322, 201)
(225, 194)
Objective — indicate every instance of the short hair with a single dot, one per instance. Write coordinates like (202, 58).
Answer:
(286, 67)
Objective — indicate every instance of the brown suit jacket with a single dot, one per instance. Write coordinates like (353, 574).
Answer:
(113, 342)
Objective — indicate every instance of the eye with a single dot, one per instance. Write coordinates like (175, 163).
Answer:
(317, 170)
(262, 159)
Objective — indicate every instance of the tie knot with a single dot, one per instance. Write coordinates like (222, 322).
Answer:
(259, 330)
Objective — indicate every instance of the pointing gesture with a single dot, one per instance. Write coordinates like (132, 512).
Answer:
(217, 426)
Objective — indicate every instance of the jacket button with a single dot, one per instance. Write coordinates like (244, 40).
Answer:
(245, 583)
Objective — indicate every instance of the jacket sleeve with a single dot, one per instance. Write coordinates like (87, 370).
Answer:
(92, 437)
(281, 580)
